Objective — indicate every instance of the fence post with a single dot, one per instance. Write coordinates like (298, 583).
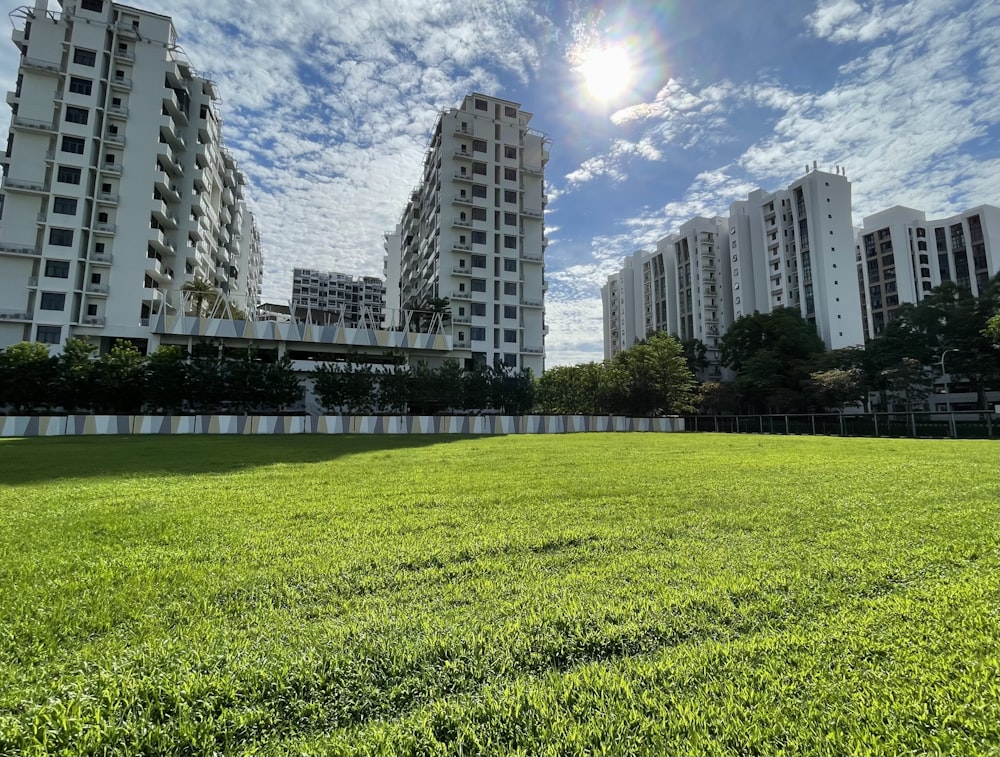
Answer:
(989, 425)
(762, 424)
(952, 428)
(841, 417)
(813, 419)
(787, 432)
(913, 424)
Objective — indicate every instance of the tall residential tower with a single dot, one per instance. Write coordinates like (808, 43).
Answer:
(472, 232)
(117, 187)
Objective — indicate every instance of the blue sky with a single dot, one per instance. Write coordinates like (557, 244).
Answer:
(328, 105)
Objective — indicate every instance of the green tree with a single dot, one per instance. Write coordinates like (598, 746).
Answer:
(836, 388)
(571, 390)
(74, 390)
(650, 378)
(28, 375)
(167, 380)
(282, 385)
(510, 390)
(201, 297)
(992, 330)
(772, 355)
(119, 378)
(394, 386)
(349, 385)
(718, 398)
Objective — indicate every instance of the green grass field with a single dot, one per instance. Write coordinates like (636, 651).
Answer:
(607, 594)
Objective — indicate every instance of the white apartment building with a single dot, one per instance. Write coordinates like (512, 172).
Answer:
(790, 248)
(473, 232)
(624, 303)
(795, 248)
(117, 187)
(341, 298)
(901, 256)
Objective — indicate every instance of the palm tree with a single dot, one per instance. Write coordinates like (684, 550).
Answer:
(202, 296)
(438, 306)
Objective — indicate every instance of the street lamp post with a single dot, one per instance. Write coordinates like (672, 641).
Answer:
(944, 377)
(947, 397)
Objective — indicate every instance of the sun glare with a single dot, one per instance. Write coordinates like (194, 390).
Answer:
(607, 72)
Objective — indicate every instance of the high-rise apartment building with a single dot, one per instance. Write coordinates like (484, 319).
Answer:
(790, 248)
(795, 248)
(117, 187)
(623, 302)
(338, 297)
(901, 256)
(472, 232)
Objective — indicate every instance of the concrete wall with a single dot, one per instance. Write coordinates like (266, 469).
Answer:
(83, 425)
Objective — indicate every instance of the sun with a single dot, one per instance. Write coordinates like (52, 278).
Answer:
(607, 72)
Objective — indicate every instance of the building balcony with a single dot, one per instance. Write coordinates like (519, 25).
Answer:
(126, 55)
(107, 198)
(155, 269)
(106, 229)
(531, 212)
(32, 282)
(112, 168)
(163, 214)
(115, 139)
(461, 319)
(457, 295)
(227, 196)
(534, 256)
(101, 258)
(19, 38)
(460, 247)
(462, 223)
(14, 315)
(225, 217)
(460, 130)
(117, 111)
(459, 176)
(41, 66)
(159, 242)
(122, 83)
(533, 350)
(41, 218)
(531, 168)
(126, 30)
(169, 131)
(531, 303)
(462, 200)
(93, 320)
(167, 189)
(98, 290)
(222, 274)
(461, 271)
(13, 97)
(31, 124)
(463, 154)
(21, 185)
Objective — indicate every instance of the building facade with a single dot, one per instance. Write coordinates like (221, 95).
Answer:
(472, 232)
(789, 248)
(901, 256)
(117, 187)
(343, 299)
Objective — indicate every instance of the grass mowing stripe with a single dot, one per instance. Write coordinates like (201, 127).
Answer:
(170, 596)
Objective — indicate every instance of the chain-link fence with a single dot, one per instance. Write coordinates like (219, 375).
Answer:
(954, 425)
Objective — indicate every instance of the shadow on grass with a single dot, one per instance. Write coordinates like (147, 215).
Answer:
(37, 460)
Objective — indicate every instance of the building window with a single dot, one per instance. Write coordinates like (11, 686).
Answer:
(510, 196)
(479, 214)
(477, 333)
(479, 285)
(64, 206)
(481, 104)
(68, 175)
(84, 57)
(479, 145)
(510, 312)
(510, 111)
(61, 237)
(510, 264)
(478, 261)
(510, 174)
(80, 86)
(52, 301)
(510, 152)
(92, 310)
(479, 168)
(479, 237)
(510, 243)
(48, 334)
(93, 5)
(510, 287)
(57, 269)
(510, 335)
(77, 115)
(478, 308)
(479, 190)
(73, 145)
(510, 219)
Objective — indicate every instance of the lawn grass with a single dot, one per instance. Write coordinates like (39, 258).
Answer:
(534, 595)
